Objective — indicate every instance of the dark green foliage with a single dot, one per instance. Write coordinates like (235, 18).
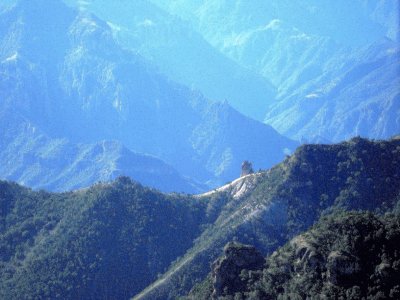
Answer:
(114, 240)
(106, 242)
(287, 200)
(346, 255)
(358, 174)
(202, 290)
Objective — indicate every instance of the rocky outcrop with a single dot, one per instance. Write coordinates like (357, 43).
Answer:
(226, 270)
(341, 266)
(247, 168)
(306, 254)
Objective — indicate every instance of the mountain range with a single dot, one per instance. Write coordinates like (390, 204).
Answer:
(33, 159)
(124, 127)
(67, 76)
(112, 240)
(268, 209)
(161, 81)
(182, 54)
(335, 65)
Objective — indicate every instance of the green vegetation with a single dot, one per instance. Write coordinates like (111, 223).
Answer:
(114, 240)
(286, 201)
(106, 242)
(348, 255)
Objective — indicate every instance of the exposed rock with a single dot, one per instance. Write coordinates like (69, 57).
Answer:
(307, 257)
(383, 269)
(226, 270)
(238, 188)
(340, 266)
(247, 168)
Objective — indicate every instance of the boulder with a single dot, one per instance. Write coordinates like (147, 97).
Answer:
(226, 270)
(341, 267)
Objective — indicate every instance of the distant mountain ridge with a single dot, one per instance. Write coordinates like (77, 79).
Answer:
(30, 157)
(360, 24)
(359, 97)
(83, 103)
(67, 75)
(335, 65)
(182, 54)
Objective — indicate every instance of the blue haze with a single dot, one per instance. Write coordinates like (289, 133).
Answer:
(179, 89)
(67, 76)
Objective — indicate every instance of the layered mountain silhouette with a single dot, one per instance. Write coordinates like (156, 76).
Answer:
(64, 73)
(335, 65)
(112, 240)
(35, 160)
(136, 117)
(182, 54)
(358, 97)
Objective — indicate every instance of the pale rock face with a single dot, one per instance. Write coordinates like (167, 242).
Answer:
(238, 188)
(307, 256)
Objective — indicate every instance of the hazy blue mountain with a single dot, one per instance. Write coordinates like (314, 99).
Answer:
(64, 72)
(182, 54)
(31, 158)
(307, 46)
(358, 95)
(86, 98)
(357, 23)
(6, 3)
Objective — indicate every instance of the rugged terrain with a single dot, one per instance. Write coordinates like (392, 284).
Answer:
(68, 245)
(335, 65)
(348, 255)
(67, 76)
(269, 208)
(171, 94)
